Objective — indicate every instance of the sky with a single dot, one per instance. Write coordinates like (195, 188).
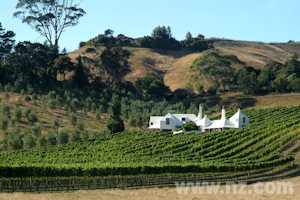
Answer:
(251, 20)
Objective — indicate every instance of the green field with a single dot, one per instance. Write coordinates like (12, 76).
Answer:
(256, 146)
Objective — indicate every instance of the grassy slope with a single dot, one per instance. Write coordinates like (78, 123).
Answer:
(173, 66)
(91, 123)
(46, 117)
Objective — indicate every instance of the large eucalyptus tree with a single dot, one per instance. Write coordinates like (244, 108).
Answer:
(49, 17)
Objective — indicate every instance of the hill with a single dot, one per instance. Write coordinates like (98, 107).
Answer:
(257, 146)
(173, 66)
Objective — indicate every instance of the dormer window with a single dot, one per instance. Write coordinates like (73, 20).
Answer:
(244, 120)
(183, 119)
(167, 120)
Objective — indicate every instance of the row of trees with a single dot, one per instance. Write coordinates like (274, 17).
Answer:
(161, 38)
(275, 77)
(225, 72)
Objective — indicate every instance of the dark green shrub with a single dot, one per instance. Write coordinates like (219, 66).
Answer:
(74, 104)
(34, 96)
(42, 141)
(30, 90)
(73, 119)
(14, 139)
(27, 111)
(4, 123)
(51, 138)
(17, 113)
(98, 114)
(5, 111)
(8, 88)
(75, 136)
(29, 141)
(132, 122)
(37, 130)
(27, 98)
(190, 126)
(63, 137)
(32, 117)
(212, 91)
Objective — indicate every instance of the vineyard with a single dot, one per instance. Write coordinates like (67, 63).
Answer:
(254, 147)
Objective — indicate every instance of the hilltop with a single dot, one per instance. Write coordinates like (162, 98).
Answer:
(172, 66)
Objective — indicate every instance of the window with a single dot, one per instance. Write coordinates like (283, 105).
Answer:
(244, 120)
(151, 123)
(167, 120)
(183, 119)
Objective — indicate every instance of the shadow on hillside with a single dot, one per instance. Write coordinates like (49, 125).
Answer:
(232, 102)
(175, 53)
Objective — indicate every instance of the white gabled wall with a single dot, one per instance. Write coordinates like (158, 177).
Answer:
(238, 120)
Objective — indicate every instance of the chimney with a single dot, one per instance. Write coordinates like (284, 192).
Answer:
(223, 113)
(200, 112)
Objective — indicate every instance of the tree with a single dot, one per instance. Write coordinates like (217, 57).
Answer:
(188, 36)
(63, 137)
(280, 84)
(223, 74)
(80, 77)
(114, 63)
(189, 126)
(49, 17)
(247, 82)
(73, 119)
(17, 114)
(29, 141)
(295, 85)
(42, 141)
(4, 124)
(217, 68)
(6, 42)
(51, 138)
(32, 63)
(291, 66)
(108, 33)
(75, 136)
(151, 87)
(161, 32)
(14, 139)
(62, 64)
(5, 110)
(114, 122)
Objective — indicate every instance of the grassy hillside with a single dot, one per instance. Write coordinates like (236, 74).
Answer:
(46, 115)
(173, 66)
(257, 146)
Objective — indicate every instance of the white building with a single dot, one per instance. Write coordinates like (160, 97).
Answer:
(172, 121)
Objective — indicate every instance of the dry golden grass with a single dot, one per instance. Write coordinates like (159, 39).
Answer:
(145, 62)
(256, 54)
(173, 66)
(156, 194)
(178, 74)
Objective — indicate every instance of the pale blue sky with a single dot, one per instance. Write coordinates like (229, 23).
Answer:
(253, 20)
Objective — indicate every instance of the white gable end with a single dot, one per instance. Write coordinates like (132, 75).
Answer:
(172, 121)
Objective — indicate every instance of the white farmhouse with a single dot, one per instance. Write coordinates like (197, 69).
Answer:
(172, 121)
